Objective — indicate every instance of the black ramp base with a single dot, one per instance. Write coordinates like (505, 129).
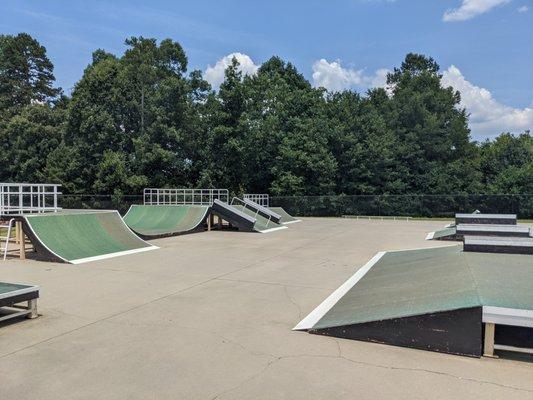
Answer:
(235, 217)
(454, 332)
(516, 336)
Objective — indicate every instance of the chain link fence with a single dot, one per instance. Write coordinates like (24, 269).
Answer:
(405, 205)
(339, 205)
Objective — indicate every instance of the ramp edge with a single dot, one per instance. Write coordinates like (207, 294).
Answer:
(316, 315)
(112, 255)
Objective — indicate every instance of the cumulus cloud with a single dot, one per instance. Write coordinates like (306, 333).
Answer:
(215, 74)
(334, 77)
(488, 117)
(523, 9)
(470, 9)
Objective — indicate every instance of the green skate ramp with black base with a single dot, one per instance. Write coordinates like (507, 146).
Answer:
(81, 236)
(262, 224)
(433, 299)
(152, 222)
(286, 218)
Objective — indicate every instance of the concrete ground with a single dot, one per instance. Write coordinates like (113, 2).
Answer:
(209, 316)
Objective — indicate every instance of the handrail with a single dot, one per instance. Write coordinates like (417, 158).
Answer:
(244, 204)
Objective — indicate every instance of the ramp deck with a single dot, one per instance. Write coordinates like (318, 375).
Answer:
(493, 230)
(484, 244)
(500, 219)
(11, 297)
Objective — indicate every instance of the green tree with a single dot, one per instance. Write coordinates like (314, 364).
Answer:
(26, 73)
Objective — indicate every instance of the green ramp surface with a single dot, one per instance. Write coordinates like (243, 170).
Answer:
(262, 224)
(286, 218)
(81, 236)
(165, 220)
(401, 284)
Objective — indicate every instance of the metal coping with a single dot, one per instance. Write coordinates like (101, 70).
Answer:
(480, 216)
(200, 197)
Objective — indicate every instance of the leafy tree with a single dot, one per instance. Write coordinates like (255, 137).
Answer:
(26, 73)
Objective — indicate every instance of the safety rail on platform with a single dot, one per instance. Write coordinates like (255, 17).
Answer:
(260, 198)
(198, 197)
(28, 198)
(255, 211)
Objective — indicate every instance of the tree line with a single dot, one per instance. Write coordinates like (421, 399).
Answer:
(143, 119)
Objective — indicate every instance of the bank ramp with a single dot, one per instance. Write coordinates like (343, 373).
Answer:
(244, 218)
(156, 221)
(286, 218)
(433, 299)
(81, 236)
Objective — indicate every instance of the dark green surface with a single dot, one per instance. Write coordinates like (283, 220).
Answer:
(165, 219)
(261, 223)
(285, 216)
(11, 287)
(417, 282)
(82, 234)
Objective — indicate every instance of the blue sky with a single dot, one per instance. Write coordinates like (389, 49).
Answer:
(483, 46)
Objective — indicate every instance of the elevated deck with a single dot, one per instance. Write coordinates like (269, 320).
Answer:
(499, 219)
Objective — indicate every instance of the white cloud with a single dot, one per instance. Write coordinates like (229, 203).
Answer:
(488, 117)
(470, 9)
(334, 77)
(523, 9)
(215, 75)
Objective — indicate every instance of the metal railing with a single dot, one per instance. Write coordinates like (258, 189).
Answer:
(7, 227)
(28, 198)
(199, 197)
(249, 207)
(260, 198)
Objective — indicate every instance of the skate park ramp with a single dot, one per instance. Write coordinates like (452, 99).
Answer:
(434, 299)
(286, 218)
(165, 220)
(81, 236)
(264, 211)
(244, 219)
(262, 224)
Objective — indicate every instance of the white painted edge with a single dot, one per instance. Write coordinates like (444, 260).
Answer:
(316, 315)
(112, 255)
(29, 289)
(41, 242)
(430, 236)
(273, 229)
(507, 316)
(292, 222)
(127, 212)
(513, 348)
